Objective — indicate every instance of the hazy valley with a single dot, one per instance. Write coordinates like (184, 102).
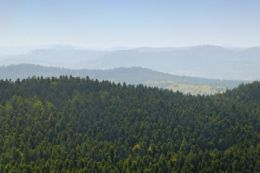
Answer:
(202, 61)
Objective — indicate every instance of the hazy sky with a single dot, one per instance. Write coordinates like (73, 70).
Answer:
(130, 23)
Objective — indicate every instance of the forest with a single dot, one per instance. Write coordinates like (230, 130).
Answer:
(71, 124)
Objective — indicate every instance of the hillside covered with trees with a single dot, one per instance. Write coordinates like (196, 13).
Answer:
(70, 124)
(133, 76)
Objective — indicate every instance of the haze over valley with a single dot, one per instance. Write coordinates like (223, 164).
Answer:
(200, 61)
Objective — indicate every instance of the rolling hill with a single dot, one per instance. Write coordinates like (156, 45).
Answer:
(72, 125)
(133, 75)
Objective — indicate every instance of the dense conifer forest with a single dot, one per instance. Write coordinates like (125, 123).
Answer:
(80, 125)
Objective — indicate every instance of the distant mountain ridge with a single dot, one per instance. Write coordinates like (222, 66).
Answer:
(204, 61)
(133, 75)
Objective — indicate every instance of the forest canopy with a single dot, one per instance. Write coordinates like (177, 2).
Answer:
(70, 124)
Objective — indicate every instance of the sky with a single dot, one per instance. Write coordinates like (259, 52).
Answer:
(130, 23)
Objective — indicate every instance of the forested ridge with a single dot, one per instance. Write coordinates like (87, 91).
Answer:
(133, 76)
(70, 124)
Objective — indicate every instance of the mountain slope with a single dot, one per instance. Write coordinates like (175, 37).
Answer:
(81, 125)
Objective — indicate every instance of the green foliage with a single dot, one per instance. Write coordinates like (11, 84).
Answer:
(79, 125)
